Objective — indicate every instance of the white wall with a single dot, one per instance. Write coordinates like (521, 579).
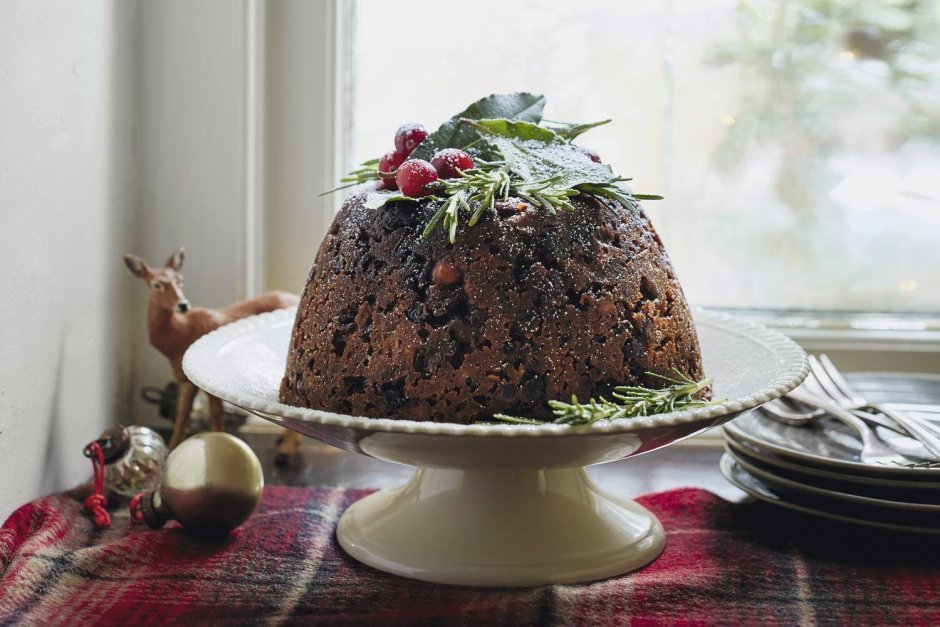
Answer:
(130, 126)
(65, 154)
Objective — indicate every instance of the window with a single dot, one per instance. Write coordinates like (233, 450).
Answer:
(797, 143)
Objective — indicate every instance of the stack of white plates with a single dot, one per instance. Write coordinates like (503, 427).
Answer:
(816, 469)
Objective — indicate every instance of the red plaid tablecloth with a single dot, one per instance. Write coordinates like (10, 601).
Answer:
(723, 563)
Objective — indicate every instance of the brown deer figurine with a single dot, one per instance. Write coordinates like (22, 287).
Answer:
(173, 325)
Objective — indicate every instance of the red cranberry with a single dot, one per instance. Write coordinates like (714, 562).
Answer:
(408, 136)
(388, 164)
(414, 176)
(593, 156)
(450, 162)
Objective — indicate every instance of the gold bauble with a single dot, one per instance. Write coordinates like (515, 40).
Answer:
(211, 484)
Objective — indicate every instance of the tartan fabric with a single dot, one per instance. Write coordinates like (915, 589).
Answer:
(723, 564)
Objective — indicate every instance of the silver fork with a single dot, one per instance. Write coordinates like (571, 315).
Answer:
(780, 408)
(838, 389)
(783, 412)
(873, 451)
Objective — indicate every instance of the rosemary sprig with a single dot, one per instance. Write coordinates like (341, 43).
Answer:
(477, 191)
(630, 402)
(613, 191)
(546, 194)
(367, 171)
(474, 191)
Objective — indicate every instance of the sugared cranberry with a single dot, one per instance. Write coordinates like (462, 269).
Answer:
(414, 176)
(408, 136)
(593, 156)
(450, 162)
(388, 164)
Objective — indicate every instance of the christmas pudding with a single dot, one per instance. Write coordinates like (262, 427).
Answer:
(492, 270)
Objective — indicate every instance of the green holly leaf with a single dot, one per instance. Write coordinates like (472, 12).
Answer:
(537, 154)
(569, 131)
(518, 130)
(452, 134)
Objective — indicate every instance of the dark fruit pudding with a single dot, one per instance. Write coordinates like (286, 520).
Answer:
(541, 294)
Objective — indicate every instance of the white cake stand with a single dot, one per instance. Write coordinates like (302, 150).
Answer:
(498, 505)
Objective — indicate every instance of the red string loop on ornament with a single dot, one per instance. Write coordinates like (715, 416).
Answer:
(97, 502)
(137, 516)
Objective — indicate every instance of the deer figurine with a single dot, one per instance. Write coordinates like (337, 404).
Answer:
(173, 325)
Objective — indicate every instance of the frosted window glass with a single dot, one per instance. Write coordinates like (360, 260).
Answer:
(797, 143)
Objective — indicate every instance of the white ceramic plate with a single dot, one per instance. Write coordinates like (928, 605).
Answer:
(832, 448)
(858, 484)
(750, 484)
(501, 505)
(782, 485)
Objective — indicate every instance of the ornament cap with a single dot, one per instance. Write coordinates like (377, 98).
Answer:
(152, 512)
(114, 441)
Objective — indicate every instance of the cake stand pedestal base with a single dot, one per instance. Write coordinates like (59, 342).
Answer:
(500, 528)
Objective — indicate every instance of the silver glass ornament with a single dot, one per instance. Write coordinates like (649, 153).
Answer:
(134, 458)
